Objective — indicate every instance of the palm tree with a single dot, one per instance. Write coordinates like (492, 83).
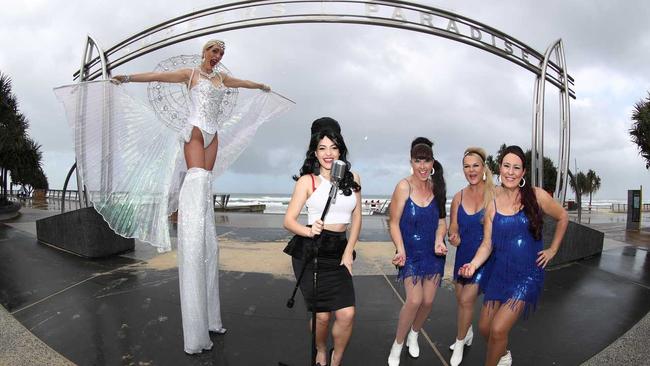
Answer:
(9, 131)
(29, 171)
(493, 162)
(550, 172)
(19, 154)
(578, 184)
(640, 131)
(592, 184)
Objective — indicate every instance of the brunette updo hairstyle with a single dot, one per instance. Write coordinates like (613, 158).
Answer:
(438, 179)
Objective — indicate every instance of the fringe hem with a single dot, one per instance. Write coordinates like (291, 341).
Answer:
(436, 277)
(515, 305)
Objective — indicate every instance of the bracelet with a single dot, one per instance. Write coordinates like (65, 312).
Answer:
(127, 78)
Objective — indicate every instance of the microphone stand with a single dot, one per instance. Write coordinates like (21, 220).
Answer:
(314, 252)
(333, 190)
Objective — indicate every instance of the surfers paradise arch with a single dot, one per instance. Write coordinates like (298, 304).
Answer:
(548, 67)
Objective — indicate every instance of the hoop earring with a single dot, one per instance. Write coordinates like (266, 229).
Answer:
(498, 179)
(484, 177)
(411, 170)
(433, 171)
(522, 183)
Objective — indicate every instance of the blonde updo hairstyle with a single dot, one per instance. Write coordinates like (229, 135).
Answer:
(488, 192)
(212, 43)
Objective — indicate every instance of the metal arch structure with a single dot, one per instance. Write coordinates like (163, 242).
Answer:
(537, 146)
(385, 13)
(87, 59)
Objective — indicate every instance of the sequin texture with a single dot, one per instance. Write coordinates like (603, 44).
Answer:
(470, 229)
(206, 111)
(418, 227)
(516, 278)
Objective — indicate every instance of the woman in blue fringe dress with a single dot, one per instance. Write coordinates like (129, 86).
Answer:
(466, 234)
(417, 227)
(513, 233)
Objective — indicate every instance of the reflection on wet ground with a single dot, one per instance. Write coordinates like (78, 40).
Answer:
(48, 204)
(121, 310)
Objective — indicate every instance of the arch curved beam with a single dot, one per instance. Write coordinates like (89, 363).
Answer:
(537, 145)
(395, 14)
(84, 71)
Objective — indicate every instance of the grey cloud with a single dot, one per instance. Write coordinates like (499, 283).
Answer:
(385, 86)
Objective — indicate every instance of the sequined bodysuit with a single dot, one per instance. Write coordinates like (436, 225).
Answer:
(206, 110)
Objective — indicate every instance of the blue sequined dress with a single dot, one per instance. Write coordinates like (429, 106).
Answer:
(418, 226)
(470, 229)
(515, 276)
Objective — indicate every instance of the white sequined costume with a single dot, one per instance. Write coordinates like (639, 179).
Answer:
(132, 165)
(205, 104)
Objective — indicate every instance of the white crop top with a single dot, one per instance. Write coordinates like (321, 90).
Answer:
(339, 212)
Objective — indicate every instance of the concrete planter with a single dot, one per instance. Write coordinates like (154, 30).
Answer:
(83, 232)
(579, 242)
(9, 211)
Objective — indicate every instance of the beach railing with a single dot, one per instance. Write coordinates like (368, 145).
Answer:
(622, 207)
(220, 200)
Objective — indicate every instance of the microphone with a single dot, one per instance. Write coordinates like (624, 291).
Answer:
(338, 172)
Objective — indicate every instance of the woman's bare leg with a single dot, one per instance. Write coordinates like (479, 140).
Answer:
(485, 321)
(211, 153)
(322, 331)
(504, 319)
(341, 332)
(466, 297)
(195, 154)
(414, 295)
(429, 289)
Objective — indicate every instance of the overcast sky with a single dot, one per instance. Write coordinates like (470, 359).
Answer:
(385, 86)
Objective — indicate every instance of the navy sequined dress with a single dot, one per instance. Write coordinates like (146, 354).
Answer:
(418, 226)
(515, 276)
(470, 229)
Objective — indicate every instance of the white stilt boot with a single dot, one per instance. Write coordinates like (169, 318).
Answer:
(412, 343)
(212, 265)
(191, 260)
(395, 352)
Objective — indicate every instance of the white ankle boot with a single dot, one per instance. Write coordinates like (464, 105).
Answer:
(457, 356)
(506, 360)
(412, 343)
(469, 337)
(395, 352)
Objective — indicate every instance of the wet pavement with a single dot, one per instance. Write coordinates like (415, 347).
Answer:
(126, 310)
